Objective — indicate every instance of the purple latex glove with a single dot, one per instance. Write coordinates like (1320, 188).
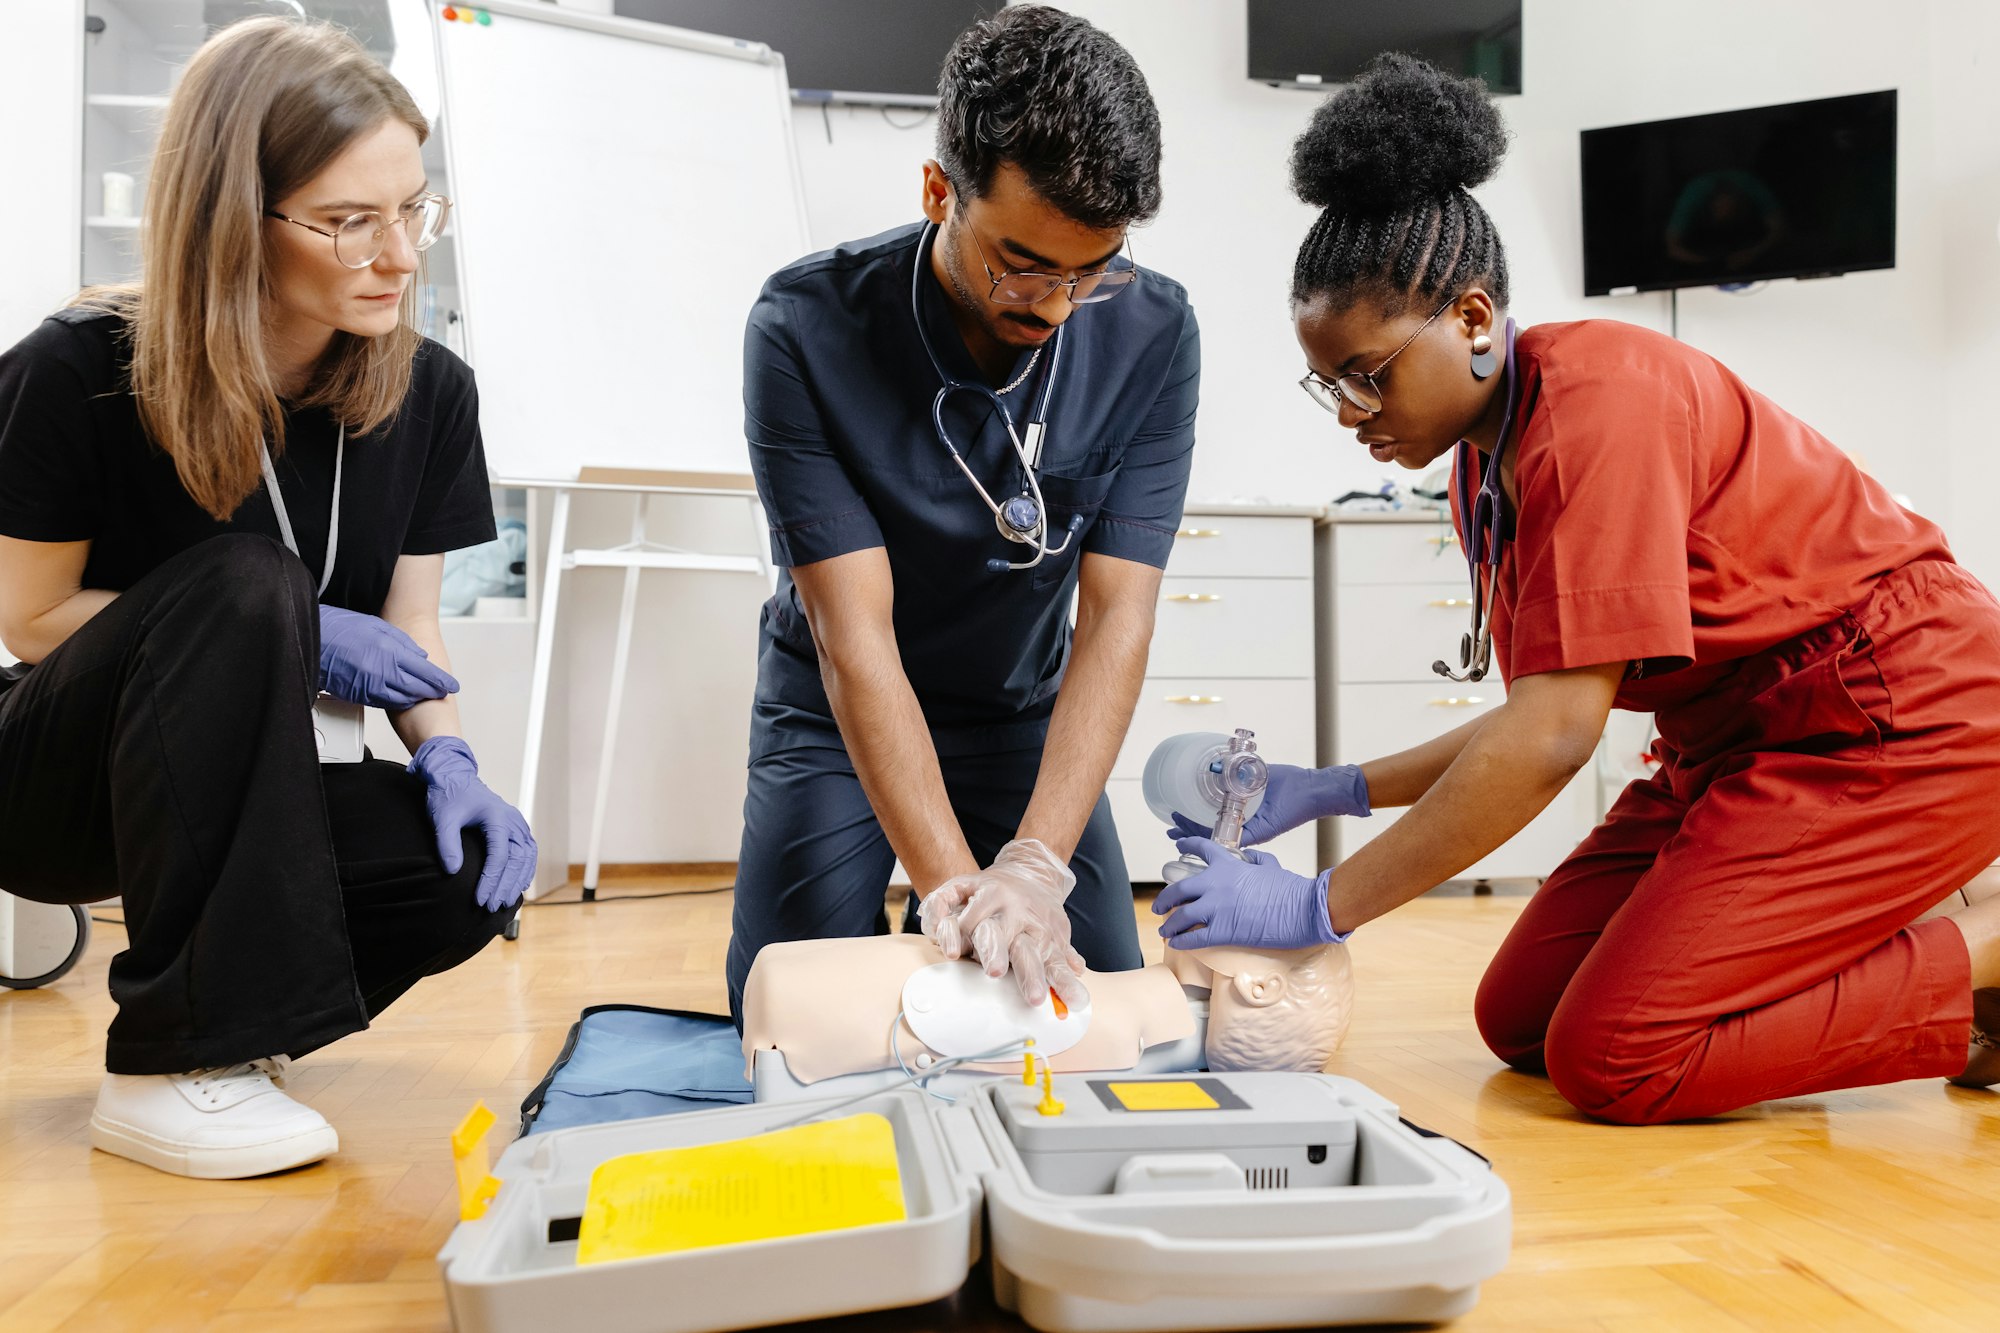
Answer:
(1295, 796)
(1255, 903)
(458, 800)
(366, 660)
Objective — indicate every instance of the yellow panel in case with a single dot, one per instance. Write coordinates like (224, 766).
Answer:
(1163, 1097)
(824, 1177)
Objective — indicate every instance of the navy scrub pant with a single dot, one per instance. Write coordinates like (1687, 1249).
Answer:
(815, 863)
(164, 753)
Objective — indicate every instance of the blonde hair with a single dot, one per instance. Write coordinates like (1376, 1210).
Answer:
(264, 105)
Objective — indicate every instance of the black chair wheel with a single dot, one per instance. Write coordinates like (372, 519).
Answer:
(50, 940)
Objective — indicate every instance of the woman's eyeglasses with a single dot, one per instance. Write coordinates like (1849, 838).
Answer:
(1360, 391)
(358, 240)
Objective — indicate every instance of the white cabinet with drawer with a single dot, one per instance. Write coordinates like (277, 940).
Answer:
(1232, 647)
(1394, 596)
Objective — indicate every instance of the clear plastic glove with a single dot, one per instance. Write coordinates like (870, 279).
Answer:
(458, 800)
(1010, 917)
(1254, 903)
(366, 660)
(1294, 797)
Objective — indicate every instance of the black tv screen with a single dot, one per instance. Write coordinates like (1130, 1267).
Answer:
(886, 51)
(1312, 43)
(1802, 190)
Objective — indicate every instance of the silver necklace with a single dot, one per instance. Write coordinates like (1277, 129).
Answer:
(1026, 371)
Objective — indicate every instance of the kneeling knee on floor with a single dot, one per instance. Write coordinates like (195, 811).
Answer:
(1602, 1075)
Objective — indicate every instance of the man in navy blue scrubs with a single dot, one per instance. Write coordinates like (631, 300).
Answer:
(916, 696)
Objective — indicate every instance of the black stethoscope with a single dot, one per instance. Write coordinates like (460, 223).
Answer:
(1025, 517)
(1486, 537)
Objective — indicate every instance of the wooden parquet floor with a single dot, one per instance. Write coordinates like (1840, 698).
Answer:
(1872, 1209)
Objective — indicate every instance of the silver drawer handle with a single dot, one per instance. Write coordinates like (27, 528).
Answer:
(1458, 701)
(1448, 539)
(1194, 698)
(1451, 601)
(1194, 597)
(1199, 532)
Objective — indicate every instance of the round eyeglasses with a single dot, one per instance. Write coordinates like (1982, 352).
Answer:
(1360, 390)
(358, 240)
(1017, 287)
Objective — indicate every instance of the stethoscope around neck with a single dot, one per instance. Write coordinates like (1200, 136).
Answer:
(1485, 515)
(1023, 518)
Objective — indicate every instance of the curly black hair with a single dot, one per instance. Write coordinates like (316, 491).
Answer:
(1389, 160)
(1061, 100)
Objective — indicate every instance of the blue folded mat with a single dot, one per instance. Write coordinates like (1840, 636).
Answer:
(624, 1061)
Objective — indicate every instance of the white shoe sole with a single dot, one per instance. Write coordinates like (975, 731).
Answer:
(180, 1159)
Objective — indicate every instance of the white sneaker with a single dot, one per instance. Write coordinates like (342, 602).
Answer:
(212, 1124)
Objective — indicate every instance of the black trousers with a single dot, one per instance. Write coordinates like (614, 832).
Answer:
(164, 754)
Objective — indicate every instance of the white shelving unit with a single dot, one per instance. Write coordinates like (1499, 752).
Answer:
(129, 67)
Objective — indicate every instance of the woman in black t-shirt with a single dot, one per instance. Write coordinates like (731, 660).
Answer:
(222, 492)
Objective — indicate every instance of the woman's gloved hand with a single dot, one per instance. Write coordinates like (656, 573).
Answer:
(366, 660)
(1010, 917)
(458, 800)
(1254, 902)
(1295, 796)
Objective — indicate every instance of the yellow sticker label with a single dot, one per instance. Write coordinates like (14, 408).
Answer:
(820, 1177)
(1163, 1097)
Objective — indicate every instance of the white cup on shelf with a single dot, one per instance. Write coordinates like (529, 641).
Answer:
(121, 195)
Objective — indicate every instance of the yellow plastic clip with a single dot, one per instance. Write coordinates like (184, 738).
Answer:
(1048, 1105)
(470, 1160)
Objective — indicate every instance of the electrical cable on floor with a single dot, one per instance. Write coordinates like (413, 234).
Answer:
(626, 897)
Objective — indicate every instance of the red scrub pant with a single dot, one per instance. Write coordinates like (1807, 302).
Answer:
(1740, 926)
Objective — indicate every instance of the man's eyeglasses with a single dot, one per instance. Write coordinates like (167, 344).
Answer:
(358, 240)
(1012, 287)
(1360, 391)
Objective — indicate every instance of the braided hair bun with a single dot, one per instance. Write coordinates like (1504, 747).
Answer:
(1402, 133)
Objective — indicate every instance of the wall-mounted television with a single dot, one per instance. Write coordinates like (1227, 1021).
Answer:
(1807, 189)
(875, 52)
(1314, 44)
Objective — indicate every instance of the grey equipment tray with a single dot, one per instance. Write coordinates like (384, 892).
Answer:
(1191, 1238)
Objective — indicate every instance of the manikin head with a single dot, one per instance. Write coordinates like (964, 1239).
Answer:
(1271, 1009)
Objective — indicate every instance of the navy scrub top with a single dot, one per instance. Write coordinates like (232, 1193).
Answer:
(837, 408)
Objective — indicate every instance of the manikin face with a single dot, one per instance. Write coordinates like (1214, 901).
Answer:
(1430, 398)
(1010, 228)
(1271, 1009)
(315, 295)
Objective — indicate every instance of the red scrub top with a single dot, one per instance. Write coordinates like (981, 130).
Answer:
(1672, 517)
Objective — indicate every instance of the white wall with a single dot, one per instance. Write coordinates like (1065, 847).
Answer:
(1230, 227)
(41, 86)
(1965, 161)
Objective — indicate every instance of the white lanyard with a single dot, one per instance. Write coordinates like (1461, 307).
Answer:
(332, 518)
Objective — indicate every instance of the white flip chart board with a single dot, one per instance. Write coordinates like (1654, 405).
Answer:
(620, 192)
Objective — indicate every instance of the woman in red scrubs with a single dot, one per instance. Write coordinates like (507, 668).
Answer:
(1825, 679)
